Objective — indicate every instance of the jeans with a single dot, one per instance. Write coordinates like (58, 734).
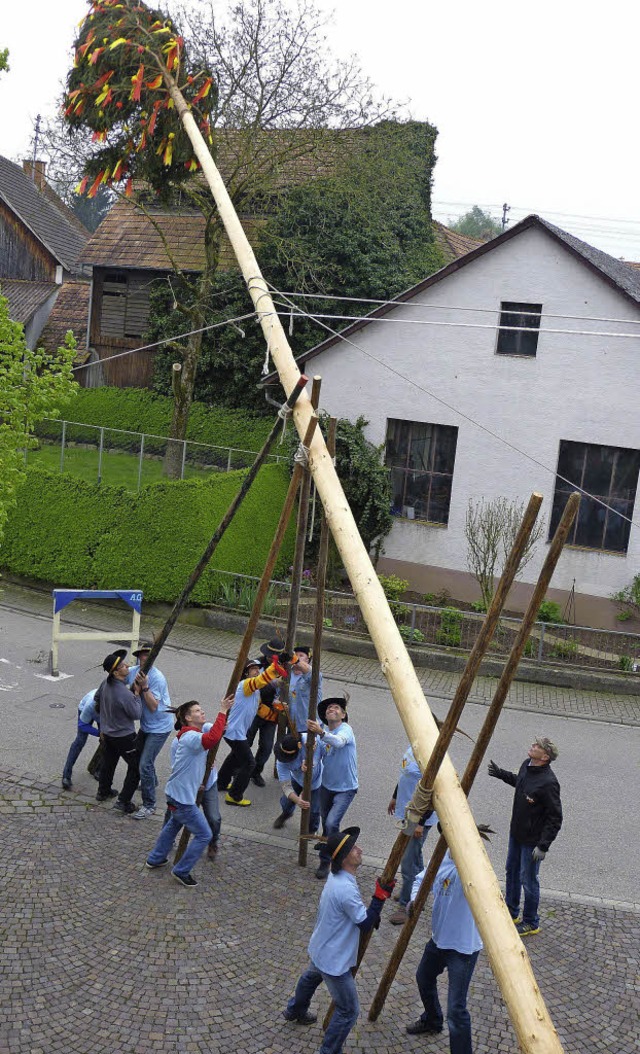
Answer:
(211, 810)
(266, 733)
(189, 816)
(74, 753)
(411, 865)
(522, 873)
(152, 744)
(238, 765)
(460, 969)
(342, 990)
(116, 747)
(289, 807)
(333, 806)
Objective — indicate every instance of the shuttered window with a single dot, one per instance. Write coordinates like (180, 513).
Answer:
(125, 305)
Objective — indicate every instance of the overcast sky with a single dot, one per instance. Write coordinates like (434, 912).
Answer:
(536, 105)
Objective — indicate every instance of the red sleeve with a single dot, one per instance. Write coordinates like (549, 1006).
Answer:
(214, 735)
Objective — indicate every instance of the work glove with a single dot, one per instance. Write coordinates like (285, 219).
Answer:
(493, 769)
(383, 892)
(538, 854)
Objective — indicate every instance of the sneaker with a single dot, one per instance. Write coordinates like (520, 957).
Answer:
(280, 821)
(525, 929)
(184, 880)
(419, 1027)
(399, 916)
(144, 812)
(126, 807)
(323, 869)
(232, 801)
(258, 780)
(307, 1018)
(160, 863)
(66, 784)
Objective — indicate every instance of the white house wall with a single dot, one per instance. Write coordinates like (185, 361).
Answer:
(580, 388)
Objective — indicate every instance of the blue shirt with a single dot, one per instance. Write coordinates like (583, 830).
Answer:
(187, 773)
(333, 947)
(157, 720)
(453, 924)
(407, 782)
(340, 766)
(299, 694)
(292, 770)
(173, 750)
(87, 715)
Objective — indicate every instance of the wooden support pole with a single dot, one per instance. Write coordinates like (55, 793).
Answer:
(480, 747)
(254, 617)
(222, 526)
(321, 575)
(448, 726)
(526, 1007)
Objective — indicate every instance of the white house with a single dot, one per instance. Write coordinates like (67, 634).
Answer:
(467, 408)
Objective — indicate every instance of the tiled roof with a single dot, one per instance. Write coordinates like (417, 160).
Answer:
(70, 311)
(452, 244)
(25, 297)
(44, 219)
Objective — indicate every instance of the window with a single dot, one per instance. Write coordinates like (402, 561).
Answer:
(421, 458)
(609, 473)
(519, 319)
(125, 305)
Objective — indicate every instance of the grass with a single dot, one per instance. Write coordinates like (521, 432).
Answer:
(118, 467)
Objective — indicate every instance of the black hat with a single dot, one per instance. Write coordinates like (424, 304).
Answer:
(303, 649)
(273, 647)
(288, 748)
(340, 845)
(112, 661)
(145, 646)
(251, 662)
(324, 703)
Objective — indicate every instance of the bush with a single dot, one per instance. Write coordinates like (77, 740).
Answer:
(565, 649)
(139, 410)
(412, 636)
(450, 632)
(625, 662)
(549, 611)
(629, 598)
(81, 535)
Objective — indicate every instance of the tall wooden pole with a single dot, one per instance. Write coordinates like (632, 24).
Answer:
(482, 742)
(321, 575)
(448, 727)
(529, 1014)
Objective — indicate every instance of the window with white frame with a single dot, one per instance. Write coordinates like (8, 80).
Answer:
(420, 458)
(607, 473)
(519, 326)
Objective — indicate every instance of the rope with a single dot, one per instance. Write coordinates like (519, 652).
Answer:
(301, 456)
(419, 805)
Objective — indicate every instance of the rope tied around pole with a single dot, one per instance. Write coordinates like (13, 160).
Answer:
(301, 456)
(419, 804)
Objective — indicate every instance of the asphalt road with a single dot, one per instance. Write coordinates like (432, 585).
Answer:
(598, 767)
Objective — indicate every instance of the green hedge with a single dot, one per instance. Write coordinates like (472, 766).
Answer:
(79, 535)
(139, 410)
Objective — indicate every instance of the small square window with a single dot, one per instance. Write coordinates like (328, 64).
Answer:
(519, 328)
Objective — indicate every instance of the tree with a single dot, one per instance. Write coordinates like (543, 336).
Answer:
(276, 86)
(362, 230)
(33, 385)
(4, 60)
(490, 529)
(477, 224)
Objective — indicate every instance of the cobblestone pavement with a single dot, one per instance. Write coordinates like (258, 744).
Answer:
(437, 684)
(102, 956)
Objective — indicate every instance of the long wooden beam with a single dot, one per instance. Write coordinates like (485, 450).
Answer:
(527, 1009)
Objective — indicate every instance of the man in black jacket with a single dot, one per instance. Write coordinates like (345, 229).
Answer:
(536, 819)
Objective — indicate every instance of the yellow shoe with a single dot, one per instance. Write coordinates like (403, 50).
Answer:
(232, 801)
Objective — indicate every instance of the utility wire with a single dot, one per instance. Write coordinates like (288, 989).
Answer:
(465, 417)
(166, 340)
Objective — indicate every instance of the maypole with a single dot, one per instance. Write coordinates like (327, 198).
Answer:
(148, 46)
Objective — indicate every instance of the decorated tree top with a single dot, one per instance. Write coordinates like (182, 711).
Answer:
(127, 56)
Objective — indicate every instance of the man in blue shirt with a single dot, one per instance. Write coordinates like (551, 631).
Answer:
(156, 723)
(454, 947)
(291, 767)
(333, 948)
(339, 769)
(87, 721)
(300, 687)
(412, 861)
